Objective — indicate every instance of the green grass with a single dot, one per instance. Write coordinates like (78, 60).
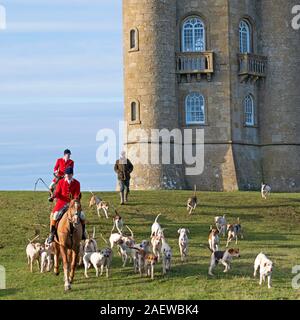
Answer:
(272, 226)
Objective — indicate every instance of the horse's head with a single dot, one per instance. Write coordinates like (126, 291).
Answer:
(74, 212)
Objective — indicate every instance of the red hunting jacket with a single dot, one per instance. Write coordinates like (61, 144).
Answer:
(65, 192)
(61, 165)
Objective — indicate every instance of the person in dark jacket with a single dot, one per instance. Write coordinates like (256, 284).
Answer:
(123, 169)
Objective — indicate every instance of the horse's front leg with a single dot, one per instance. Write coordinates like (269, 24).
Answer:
(56, 259)
(73, 265)
(64, 256)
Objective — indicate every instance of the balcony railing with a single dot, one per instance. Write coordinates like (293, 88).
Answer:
(252, 66)
(195, 63)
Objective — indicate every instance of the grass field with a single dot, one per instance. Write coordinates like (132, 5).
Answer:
(271, 226)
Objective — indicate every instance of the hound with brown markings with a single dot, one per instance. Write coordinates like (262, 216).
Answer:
(213, 239)
(234, 232)
(192, 202)
(100, 205)
(117, 223)
(224, 257)
(148, 261)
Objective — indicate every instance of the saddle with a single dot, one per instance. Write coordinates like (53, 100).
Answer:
(61, 212)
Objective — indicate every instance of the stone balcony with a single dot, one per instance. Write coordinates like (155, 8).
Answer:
(190, 66)
(252, 67)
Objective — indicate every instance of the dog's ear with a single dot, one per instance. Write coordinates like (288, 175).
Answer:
(179, 230)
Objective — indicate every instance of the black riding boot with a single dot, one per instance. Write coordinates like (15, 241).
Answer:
(52, 235)
(51, 193)
(83, 232)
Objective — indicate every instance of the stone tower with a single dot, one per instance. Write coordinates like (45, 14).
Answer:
(280, 97)
(227, 67)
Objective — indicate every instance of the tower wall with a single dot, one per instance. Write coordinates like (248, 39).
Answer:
(236, 156)
(150, 79)
(219, 170)
(280, 98)
(245, 139)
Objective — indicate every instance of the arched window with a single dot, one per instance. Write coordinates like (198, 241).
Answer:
(134, 116)
(249, 111)
(195, 109)
(134, 40)
(133, 111)
(193, 35)
(245, 37)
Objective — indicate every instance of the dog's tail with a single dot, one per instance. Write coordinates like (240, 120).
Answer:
(30, 241)
(103, 238)
(130, 231)
(94, 233)
(120, 232)
(238, 220)
(116, 212)
(195, 189)
(206, 246)
(155, 221)
(113, 228)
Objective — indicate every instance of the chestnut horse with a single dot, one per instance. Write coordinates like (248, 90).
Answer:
(69, 231)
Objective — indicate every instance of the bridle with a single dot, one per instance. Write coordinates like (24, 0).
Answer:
(75, 206)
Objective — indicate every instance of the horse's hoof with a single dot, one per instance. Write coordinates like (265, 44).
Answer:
(68, 288)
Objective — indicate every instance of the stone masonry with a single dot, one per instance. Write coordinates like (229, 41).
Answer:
(236, 156)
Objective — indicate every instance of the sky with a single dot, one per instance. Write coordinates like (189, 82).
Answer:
(61, 82)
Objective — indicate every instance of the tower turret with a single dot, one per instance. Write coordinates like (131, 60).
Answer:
(150, 94)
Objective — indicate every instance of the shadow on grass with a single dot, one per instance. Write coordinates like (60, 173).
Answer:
(8, 292)
(265, 236)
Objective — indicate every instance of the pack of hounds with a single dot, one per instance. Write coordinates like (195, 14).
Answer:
(146, 254)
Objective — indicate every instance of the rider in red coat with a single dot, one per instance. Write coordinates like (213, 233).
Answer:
(67, 189)
(59, 171)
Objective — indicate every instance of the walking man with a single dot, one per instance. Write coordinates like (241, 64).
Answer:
(123, 169)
